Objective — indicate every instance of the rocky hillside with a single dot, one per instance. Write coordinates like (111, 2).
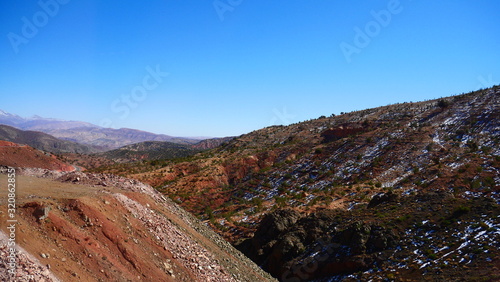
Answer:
(211, 143)
(341, 163)
(76, 226)
(426, 236)
(150, 150)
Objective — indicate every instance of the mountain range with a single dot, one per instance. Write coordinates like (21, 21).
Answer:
(43, 141)
(87, 133)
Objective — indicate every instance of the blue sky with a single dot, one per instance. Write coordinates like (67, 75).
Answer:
(227, 67)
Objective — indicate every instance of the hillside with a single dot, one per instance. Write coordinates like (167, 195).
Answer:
(76, 226)
(43, 141)
(150, 150)
(15, 155)
(340, 163)
(211, 143)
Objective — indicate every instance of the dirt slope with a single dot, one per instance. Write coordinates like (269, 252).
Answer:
(12, 154)
(75, 226)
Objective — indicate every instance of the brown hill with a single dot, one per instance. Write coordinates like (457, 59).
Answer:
(76, 226)
(342, 162)
(15, 155)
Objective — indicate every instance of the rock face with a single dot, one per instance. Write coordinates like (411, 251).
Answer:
(285, 241)
(398, 237)
(382, 198)
(340, 132)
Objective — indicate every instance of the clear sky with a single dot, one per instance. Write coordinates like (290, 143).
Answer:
(227, 67)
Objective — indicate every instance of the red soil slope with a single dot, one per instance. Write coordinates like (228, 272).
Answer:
(16, 155)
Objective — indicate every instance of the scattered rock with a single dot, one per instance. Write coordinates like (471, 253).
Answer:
(382, 198)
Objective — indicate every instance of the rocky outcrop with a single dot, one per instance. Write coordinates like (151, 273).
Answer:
(340, 132)
(382, 198)
(298, 247)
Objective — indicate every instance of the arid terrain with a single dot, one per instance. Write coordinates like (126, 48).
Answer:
(404, 192)
(339, 164)
(74, 226)
(16, 155)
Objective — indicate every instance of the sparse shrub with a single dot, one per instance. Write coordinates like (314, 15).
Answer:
(486, 149)
(476, 184)
(472, 145)
(461, 210)
(443, 103)
(429, 147)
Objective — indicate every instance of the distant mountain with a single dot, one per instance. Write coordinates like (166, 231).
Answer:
(43, 141)
(39, 123)
(87, 133)
(112, 138)
(150, 150)
(10, 119)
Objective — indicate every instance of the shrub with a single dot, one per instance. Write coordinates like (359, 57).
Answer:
(443, 103)
(461, 210)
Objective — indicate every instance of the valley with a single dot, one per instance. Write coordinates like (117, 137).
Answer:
(390, 193)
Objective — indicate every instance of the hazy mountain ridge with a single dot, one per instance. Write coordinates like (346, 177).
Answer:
(341, 162)
(43, 141)
(87, 133)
